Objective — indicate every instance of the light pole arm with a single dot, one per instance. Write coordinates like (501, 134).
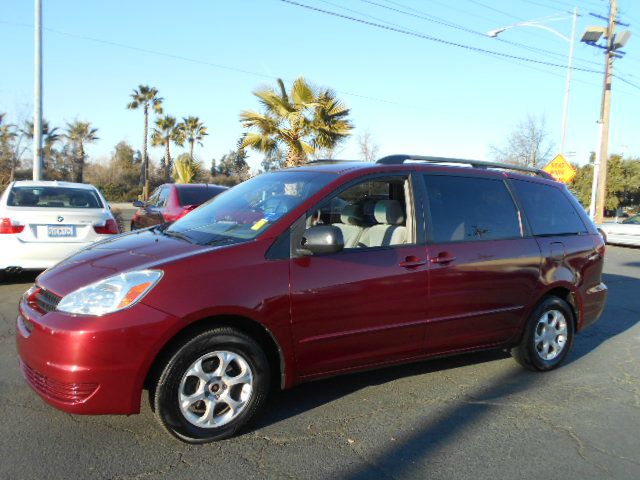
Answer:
(494, 33)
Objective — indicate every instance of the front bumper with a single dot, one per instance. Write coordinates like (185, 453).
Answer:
(91, 365)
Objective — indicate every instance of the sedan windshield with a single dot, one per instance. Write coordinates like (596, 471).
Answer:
(249, 209)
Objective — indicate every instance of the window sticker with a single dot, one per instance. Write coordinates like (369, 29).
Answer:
(259, 224)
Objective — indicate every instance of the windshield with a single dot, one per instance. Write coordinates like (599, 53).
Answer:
(249, 209)
(53, 197)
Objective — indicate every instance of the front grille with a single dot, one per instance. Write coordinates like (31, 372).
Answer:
(61, 391)
(46, 301)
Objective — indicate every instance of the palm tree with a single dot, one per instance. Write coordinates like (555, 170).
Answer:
(7, 135)
(80, 133)
(145, 97)
(185, 169)
(165, 132)
(301, 120)
(194, 131)
(50, 137)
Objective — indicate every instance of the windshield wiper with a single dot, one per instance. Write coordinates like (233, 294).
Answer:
(181, 236)
(221, 241)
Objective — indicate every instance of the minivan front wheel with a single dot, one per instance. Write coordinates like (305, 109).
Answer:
(548, 336)
(212, 386)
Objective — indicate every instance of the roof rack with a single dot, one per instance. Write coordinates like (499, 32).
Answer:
(400, 159)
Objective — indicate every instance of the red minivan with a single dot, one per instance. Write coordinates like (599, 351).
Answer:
(304, 273)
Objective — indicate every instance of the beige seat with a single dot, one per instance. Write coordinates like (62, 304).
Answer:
(390, 229)
(351, 217)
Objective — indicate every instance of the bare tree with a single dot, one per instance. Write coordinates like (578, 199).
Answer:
(368, 148)
(528, 144)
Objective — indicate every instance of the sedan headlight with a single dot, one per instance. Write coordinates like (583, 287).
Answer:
(111, 294)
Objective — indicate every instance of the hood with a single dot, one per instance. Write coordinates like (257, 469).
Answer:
(138, 250)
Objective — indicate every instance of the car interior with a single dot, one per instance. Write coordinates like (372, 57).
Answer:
(370, 214)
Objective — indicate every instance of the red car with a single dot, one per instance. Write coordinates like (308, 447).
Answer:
(311, 272)
(171, 201)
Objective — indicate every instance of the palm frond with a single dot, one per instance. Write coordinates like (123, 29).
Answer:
(302, 93)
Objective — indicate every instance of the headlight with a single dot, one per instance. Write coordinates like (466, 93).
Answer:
(111, 294)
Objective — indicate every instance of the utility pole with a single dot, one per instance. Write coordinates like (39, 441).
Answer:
(613, 43)
(605, 111)
(37, 108)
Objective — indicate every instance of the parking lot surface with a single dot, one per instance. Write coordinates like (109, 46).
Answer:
(470, 417)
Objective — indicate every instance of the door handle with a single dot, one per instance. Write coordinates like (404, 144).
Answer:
(442, 258)
(412, 262)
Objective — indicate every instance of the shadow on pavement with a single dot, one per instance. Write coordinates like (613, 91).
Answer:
(436, 433)
(283, 405)
(621, 313)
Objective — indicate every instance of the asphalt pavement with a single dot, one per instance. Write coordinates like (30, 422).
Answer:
(475, 416)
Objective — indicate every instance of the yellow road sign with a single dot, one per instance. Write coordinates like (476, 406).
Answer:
(560, 169)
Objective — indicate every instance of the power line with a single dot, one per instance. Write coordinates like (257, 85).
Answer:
(441, 21)
(446, 42)
(436, 39)
(229, 68)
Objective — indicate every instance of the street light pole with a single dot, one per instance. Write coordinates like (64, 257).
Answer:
(571, 41)
(565, 110)
(37, 109)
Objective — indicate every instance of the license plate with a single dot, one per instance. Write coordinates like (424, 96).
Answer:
(58, 231)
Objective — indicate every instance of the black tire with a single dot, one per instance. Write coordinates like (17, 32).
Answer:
(165, 394)
(526, 353)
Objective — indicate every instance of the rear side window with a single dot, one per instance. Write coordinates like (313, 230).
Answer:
(470, 209)
(53, 197)
(548, 209)
(197, 195)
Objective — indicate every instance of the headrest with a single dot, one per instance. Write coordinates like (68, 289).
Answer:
(388, 212)
(79, 201)
(27, 199)
(352, 215)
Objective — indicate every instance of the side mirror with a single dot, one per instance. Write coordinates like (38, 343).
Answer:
(138, 204)
(322, 239)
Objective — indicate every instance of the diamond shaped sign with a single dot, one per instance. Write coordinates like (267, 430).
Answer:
(560, 169)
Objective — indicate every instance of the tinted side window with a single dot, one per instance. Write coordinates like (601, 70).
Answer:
(197, 195)
(467, 209)
(548, 209)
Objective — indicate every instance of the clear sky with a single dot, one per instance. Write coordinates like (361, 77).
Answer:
(412, 94)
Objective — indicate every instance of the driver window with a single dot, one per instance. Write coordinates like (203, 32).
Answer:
(370, 214)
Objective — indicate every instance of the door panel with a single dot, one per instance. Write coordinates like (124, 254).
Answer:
(479, 297)
(483, 270)
(358, 307)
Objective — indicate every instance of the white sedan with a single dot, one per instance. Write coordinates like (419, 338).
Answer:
(43, 222)
(626, 232)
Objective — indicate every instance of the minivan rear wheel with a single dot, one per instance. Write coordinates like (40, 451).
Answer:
(212, 386)
(547, 337)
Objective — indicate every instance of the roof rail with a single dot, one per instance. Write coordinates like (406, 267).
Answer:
(327, 161)
(400, 159)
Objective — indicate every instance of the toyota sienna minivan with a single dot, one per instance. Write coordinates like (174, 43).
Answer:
(304, 273)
